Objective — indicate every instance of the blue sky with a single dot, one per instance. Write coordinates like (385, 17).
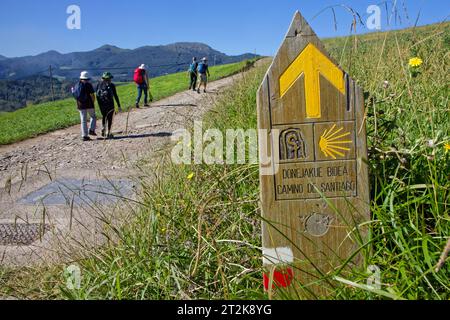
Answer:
(29, 27)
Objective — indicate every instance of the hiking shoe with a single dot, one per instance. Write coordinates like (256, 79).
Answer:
(204, 91)
(198, 91)
(103, 133)
(86, 139)
(146, 105)
(92, 133)
(110, 136)
(137, 106)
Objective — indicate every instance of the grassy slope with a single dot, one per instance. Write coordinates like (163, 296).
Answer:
(199, 237)
(38, 119)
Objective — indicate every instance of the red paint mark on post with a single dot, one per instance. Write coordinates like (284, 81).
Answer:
(281, 278)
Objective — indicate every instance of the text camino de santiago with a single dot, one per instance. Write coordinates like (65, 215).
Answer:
(316, 172)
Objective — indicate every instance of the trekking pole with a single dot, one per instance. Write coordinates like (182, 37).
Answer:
(128, 117)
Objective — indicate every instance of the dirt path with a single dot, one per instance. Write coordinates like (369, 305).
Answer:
(60, 193)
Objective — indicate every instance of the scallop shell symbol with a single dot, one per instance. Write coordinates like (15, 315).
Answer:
(332, 142)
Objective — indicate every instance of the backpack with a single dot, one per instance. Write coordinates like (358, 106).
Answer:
(193, 67)
(79, 92)
(139, 76)
(104, 94)
(202, 67)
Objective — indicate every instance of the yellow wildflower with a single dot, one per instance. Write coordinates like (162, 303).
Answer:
(415, 62)
(447, 147)
(190, 176)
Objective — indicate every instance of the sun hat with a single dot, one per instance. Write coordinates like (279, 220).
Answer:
(143, 67)
(204, 59)
(107, 75)
(85, 75)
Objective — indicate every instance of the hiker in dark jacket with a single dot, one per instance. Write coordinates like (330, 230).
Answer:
(203, 70)
(85, 96)
(106, 94)
(193, 73)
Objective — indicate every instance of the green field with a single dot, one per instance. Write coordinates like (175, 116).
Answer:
(38, 119)
(197, 234)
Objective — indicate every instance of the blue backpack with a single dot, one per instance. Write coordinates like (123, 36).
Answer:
(193, 67)
(202, 67)
(79, 92)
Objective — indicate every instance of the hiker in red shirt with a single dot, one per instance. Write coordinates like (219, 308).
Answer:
(143, 84)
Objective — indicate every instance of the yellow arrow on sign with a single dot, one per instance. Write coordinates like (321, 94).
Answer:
(311, 62)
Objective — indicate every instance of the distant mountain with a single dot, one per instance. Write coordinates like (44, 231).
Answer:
(121, 62)
(2, 57)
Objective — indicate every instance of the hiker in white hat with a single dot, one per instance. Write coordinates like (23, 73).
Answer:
(203, 70)
(85, 76)
(84, 93)
(143, 84)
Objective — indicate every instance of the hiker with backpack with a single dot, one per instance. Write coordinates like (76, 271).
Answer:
(142, 82)
(203, 70)
(106, 94)
(84, 93)
(193, 73)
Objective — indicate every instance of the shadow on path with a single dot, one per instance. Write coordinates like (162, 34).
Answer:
(174, 105)
(141, 136)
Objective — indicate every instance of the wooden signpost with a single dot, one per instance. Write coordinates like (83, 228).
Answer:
(313, 171)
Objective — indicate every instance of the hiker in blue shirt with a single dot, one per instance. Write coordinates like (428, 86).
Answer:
(203, 70)
(193, 73)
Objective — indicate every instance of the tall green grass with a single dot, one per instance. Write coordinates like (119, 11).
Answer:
(197, 234)
(408, 120)
(46, 117)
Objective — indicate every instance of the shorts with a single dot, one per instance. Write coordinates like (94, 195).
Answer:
(203, 78)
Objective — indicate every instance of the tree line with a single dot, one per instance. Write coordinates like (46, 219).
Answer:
(17, 94)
